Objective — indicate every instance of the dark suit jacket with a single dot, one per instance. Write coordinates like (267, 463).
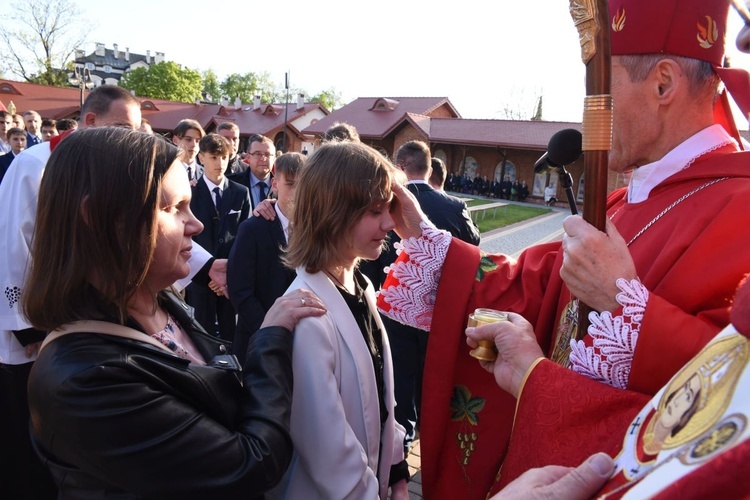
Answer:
(32, 140)
(219, 229)
(5, 163)
(219, 232)
(255, 276)
(235, 166)
(445, 211)
(244, 179)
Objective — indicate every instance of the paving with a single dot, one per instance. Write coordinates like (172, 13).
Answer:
(510, 240)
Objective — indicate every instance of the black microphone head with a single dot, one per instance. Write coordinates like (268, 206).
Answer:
(564, 147)
(542, 164)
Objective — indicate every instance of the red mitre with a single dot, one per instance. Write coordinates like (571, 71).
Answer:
(688, 28)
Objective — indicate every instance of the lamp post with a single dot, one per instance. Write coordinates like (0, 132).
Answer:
(81, 79)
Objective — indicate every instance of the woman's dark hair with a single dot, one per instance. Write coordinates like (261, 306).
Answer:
(95, 223)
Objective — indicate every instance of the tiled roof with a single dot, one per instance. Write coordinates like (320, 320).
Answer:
(502, 133)
(58, 102)
(373, 121)
(50, 102)
(261, 121)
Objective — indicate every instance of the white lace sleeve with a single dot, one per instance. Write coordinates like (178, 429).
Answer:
(412, 297)
(614, 338)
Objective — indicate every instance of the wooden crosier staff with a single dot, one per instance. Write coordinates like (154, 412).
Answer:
(591, 18)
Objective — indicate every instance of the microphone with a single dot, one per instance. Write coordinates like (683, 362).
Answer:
(563, 148)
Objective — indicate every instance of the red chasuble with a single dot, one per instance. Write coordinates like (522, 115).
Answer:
(689, 241)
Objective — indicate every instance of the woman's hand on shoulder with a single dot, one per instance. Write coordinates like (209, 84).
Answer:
(289, 309)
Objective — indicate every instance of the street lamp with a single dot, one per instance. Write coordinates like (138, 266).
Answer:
(82, 80)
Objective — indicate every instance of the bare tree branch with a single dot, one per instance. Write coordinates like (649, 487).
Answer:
(39, 40)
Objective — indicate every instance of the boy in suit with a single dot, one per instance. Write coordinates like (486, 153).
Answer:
(221, 205)
(255, 275)
(17, 140)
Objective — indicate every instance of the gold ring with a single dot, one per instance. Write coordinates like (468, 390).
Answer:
(303, 302)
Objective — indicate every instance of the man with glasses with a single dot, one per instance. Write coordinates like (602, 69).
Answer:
(261, 153)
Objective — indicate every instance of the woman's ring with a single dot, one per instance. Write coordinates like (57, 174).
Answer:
(303, 302)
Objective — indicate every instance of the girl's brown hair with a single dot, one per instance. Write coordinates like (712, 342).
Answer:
(338, 183)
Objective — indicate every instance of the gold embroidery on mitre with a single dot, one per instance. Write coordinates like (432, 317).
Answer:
(566, 330)
(707, 35)
(717, 368)
(618, 20)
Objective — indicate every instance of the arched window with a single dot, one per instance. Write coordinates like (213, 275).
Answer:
(510, 170)
(542, 180)
(470, 167)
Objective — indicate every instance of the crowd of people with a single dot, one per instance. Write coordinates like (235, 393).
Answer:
(482, 186)
(185, 321)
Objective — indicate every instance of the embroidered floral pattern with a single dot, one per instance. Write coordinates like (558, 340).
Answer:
(412, 298)
(486, 265)
(465, 410)
(614, 338)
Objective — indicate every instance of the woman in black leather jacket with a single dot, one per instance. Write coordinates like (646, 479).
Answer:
(130, 397)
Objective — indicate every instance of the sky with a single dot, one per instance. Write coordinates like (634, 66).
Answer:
(485, 57)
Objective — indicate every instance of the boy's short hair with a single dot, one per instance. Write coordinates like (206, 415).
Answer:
(227, 126)
(214, 144)
(49, 122)
(341, 132)
(289, 164)
(14, 131)
(187, 124)
(66, 124)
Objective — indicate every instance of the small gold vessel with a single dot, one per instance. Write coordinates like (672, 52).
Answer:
(486, 350)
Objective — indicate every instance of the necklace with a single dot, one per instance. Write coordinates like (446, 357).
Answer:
(670, 207)
(334, 278)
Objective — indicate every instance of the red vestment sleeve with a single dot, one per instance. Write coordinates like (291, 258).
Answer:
(555, 425)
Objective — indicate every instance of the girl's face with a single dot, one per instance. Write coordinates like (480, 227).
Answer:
(369, 233)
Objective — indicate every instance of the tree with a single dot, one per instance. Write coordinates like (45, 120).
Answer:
(520, 105)
(330, 98)
(249, 85)
(165, 80)
(211, 89)
(538, 115)
(40, 39)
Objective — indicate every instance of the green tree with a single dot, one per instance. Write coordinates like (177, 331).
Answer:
(39, 39)
(165, 80)
(330, 98)
(211, 88)
(249, 85)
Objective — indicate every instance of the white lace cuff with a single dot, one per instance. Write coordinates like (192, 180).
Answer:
(412, 297)
(614, 338)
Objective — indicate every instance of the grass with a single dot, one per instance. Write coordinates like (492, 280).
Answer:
(507, 215)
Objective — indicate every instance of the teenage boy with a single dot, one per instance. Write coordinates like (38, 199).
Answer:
(220, 204)
(186, 135)
(17, 140)
(255, 275)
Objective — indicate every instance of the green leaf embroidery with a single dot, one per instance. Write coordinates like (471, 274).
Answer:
(486, 265)
(465, 407)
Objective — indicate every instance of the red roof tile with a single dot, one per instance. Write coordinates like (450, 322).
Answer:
(376, 123)
(504, 133)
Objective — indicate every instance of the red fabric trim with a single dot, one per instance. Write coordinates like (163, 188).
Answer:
(56, 139)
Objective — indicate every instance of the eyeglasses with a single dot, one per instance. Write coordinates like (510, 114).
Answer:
(257, 155)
